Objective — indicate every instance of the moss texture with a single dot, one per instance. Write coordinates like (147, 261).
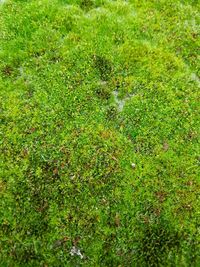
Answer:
(85, 180)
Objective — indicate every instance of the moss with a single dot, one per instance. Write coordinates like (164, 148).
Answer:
(84, 182)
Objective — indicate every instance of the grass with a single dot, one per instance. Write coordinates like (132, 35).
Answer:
(84, 182)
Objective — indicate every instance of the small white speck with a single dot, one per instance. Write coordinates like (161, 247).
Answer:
(133, 165)
(76, 251)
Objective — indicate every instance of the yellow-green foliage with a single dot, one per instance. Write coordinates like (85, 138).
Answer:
(99, 133)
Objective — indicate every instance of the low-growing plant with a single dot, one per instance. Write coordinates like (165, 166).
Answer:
(99, 133)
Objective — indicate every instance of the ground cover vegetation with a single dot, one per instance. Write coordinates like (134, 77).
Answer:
(99, 130)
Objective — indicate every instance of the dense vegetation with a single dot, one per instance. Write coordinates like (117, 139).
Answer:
(99, 133)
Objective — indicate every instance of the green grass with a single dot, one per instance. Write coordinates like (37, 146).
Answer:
(67, 175)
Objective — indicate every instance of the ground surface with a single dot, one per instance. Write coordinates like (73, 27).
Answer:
(99, 133)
